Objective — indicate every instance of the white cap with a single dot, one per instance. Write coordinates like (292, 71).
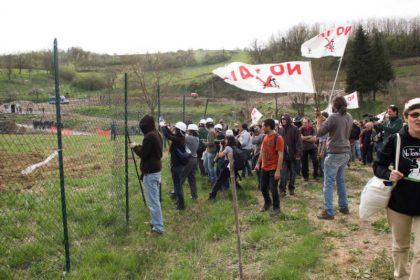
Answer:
(229, 132)
(209, 120)
(202, 121)
(412, 102)
(218, 126)
(181, 126)
(192, 127)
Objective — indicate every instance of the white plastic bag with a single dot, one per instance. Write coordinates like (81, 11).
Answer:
(374, 197)
(376, 194)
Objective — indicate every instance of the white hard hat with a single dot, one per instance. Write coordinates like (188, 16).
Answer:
(229, 132)
(181, 126)
(218, 126)
(192, 127)
(209, 120)
(202, 121)
(276, 121)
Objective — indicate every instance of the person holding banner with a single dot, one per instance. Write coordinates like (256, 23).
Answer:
(390, 126)
(339, 126)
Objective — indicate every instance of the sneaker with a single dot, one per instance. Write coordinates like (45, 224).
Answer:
(344, 211)
(283, 194)
(265, 207)
(275, 212)
(154, 233)
(325, 216)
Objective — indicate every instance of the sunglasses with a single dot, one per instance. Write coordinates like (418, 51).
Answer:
(414, 115)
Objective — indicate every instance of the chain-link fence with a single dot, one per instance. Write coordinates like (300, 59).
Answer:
(35, 219)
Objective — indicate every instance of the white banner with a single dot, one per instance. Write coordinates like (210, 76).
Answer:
(352, 100)
(294, 76)
(255, 115)
(331, 42)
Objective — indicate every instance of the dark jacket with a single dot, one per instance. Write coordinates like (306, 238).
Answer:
(150, 152)
(293, 139)
(390, 126)
(177, 142)
(405, 197)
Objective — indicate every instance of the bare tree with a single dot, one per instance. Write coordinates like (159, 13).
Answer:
(20, 62)
(110, 79)
(9, 66)
(256, 51)
(147, 81)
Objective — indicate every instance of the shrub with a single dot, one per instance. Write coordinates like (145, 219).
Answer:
(89, 81)
(67, 72)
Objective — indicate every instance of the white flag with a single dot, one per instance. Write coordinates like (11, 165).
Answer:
(255, 116)
(331, 42)
(352, 100)
(381, 116)
(294, 76)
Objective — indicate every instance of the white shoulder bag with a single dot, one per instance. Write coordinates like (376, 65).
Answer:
(376, 194)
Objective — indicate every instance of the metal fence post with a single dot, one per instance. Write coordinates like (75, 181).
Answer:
(60, 157)
(127, 209)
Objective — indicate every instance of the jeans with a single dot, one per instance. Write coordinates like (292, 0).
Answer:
(247, 165)
(357, 149)
(189, 173)
(177, 172)
(211, 169)
(305, 163)
(268, 183)
(334, 167)
(151, 184)
(288, 173)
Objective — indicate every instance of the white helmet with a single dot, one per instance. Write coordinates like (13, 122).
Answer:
(229, 132)
(209, 120)
(192, 127)
(202, 121)
(218, 127)
(181, 126)
(276, 121)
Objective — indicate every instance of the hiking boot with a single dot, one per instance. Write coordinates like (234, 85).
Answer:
(154, 233)
(275, 212)
(265, 207)
(325, 216)
(344, 211)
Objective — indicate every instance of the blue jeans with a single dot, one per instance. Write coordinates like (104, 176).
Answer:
(211, 168)
(151, 184)
(334, 167)
(357, 148)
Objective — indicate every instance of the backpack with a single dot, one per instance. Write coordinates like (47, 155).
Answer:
(286, 148)
(239, 158)
(183, 154)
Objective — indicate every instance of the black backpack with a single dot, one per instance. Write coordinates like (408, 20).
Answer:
(286, 148)
(239, 158)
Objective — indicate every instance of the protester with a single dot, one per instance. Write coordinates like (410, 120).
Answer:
(177, 148)
(191, 140)
(150, 153)
(257, 135)
(270, 163)
(244, 139)
(202, 136)
(390, 126)
(367, 143)
(404, 208)
(308, 135)
(230, 144)
(293, 140)
(322, 149)
(338, 125)
(210, 151)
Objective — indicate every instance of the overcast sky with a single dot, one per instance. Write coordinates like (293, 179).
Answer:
(138, 26)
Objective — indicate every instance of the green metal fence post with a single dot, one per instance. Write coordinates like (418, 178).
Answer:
(127, 211)
(60, 157)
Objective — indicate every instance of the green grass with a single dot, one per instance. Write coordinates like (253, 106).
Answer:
(407, 71)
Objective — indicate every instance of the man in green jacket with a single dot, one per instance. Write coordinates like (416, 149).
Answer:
(391, 126)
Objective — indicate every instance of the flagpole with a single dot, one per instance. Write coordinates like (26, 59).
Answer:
(335, 80)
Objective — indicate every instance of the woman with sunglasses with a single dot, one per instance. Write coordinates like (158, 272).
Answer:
(404, 206)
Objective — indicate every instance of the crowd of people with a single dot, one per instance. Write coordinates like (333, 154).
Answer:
(276, 152)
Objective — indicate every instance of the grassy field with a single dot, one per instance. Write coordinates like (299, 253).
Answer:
(199, 243)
